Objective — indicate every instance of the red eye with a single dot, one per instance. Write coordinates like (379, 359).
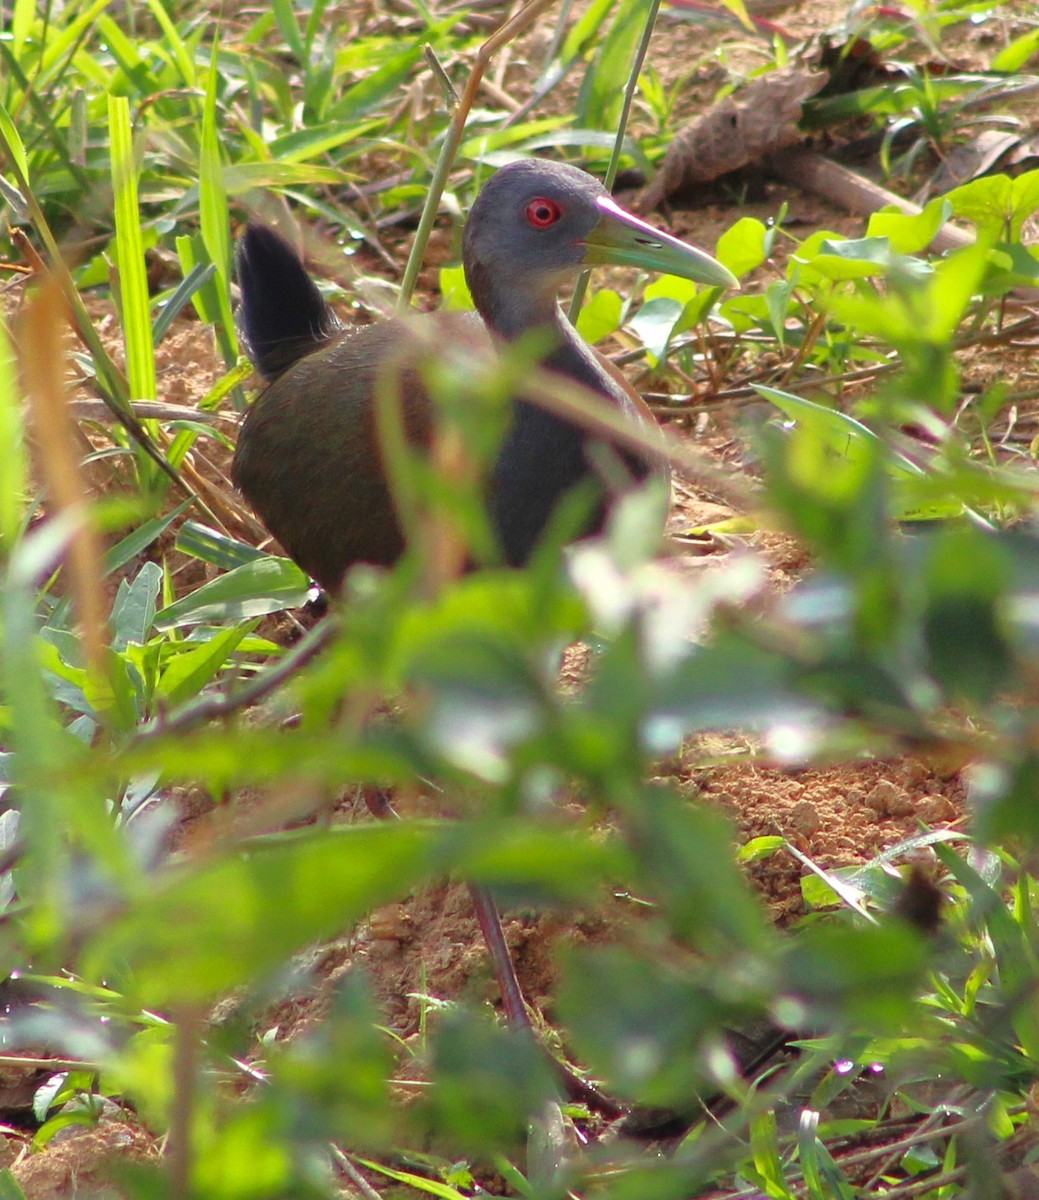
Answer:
(542, 212)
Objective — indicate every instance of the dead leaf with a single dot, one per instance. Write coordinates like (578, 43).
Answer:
(739, 129)
(969, 161)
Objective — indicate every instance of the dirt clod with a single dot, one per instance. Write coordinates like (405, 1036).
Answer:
(886, 799)
(87, 1165)
(804, 817)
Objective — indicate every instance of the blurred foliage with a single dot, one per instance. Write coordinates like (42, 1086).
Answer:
(133, 137)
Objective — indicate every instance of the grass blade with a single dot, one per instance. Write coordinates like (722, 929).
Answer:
(129, 242)
(175, 42)
(286, 18)
(141, 538)
(214, 217)
(199, 275)
(264, 586)
(13, 470)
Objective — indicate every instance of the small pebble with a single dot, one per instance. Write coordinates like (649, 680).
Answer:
(885, 799)
(804, 817)
(390, 923)
(933, 809)
(384, 948)
(726, 801)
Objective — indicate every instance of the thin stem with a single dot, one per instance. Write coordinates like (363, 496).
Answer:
(26, 1063)
(42, 331)
(111, 383)
(618, 142)
(178, 1145)
(355, 1176)
(211, 708)
(489, 920)
(558, 35)
(452, 139)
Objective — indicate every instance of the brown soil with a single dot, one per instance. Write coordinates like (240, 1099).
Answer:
(84, 1161)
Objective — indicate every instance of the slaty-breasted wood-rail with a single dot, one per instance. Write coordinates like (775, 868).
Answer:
(308, 458)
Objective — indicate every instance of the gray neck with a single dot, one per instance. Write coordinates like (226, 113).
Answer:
(511, 311)
(566, 351)
(573, 357)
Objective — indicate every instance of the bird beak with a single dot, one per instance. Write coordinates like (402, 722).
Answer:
(622, 238)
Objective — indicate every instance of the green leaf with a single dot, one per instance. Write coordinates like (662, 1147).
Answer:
(114, 693)
(173, 40)
(141, 538)
(194, 264)
(1024, 196)
(670, 287)
(240, 178)
(910, 234)
(739, 9)
(381, 83)
(817, 893)
(51, 817)
(600, 316)
(226, 384)
(517, 856)
(490, 1081)
(9, 1189)
(862, 258)
(997, 205)
(267, 585)
(967, 576)
(764, 1144)
(14, 476)
(203, 932)
(530, 136)
(824, 1179)
(1014, 56)
(213, 212)
(134, 69)
(727, 684)
(654, 324)
(286, 18)
(192, 667)
(133, 278)
(23, 13)
(214, 547)
(760, 848)
(324, 1102)
(12, 145)
(919, 1160)
(219, 759)
(585, 29)
(420, 1183)
(135, 606)
(743, 246)
(844, 434)
(640, 1022)
(777, 299)
(454, 289)
(602, 89)
(199, 276)
(315, 140)
(686, 859)
(850, 974)
(958, 280)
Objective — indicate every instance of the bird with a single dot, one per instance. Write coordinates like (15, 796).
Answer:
(308, 456)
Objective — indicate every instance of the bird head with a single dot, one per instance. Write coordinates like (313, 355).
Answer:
(536, 223)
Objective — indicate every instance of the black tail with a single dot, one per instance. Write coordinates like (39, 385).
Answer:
(283, 316)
